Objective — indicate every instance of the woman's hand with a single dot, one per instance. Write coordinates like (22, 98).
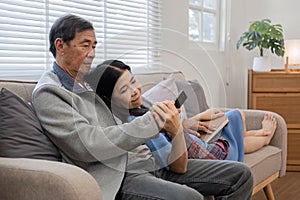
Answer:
(200, 122)
(209, 114)
(193, 125)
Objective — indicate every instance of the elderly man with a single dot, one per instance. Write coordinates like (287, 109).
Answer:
(85, 132)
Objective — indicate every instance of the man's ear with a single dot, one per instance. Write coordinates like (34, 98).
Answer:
(59, 45)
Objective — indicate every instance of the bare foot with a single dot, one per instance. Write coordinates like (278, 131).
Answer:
(269, 124)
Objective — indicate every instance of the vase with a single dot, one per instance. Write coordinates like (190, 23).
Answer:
(261, 64)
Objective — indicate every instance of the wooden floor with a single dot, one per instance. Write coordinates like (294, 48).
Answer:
(285, 188)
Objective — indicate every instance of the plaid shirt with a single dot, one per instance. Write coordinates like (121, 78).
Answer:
(217, 150)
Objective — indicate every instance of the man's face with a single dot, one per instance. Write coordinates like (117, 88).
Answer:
(78, 55)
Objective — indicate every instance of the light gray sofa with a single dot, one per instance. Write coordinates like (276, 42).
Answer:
(40, 179)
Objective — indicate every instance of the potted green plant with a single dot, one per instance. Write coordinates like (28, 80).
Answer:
(263, 35)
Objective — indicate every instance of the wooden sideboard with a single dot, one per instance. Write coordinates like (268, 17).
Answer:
(279, 91)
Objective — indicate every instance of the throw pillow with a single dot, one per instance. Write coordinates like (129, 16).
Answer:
(21, 135)
(196, 101)
(164, 90)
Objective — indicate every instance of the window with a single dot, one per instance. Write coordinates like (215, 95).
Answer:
(131, 31)
(125, 29)
(205, 24)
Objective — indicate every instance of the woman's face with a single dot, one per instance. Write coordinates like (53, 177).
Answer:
(127, 92)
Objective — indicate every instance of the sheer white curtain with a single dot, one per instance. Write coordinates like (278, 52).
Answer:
(126, 30)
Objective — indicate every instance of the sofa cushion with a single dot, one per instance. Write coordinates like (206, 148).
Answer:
(149, 76)
(169, 89)
(21, 135)
(164, 90)
(196, 101)
(21, 88)
(264, 162)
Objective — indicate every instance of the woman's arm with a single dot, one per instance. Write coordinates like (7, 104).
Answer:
(178, 156)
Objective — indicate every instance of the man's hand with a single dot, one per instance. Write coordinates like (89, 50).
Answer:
(167, 117)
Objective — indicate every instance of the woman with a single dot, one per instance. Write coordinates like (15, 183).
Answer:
(114, 83)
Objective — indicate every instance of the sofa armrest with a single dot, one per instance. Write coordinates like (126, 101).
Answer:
(253, 122)
(30, 179)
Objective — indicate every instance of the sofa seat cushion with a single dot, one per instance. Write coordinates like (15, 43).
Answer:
(264, 162)
(21, 134)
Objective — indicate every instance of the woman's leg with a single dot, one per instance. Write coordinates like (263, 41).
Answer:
(254, 143)
(269, 125)
(256, 139)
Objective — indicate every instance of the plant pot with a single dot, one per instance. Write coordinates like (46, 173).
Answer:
(261, 64)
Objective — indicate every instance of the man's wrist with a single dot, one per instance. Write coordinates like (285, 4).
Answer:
(177, 132)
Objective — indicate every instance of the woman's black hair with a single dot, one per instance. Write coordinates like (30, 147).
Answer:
(117, 63)
(104, 78)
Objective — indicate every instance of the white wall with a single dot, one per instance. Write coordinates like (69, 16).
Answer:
(196, 63)
(229, 87)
